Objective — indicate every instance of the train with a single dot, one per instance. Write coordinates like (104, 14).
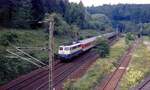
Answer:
(67, 52)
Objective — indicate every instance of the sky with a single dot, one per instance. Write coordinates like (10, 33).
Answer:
(101, 2)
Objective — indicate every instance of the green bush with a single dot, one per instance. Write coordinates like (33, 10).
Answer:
(12, 68)
(8, 37)
(133, 77)
(129, 38)
(102, 47)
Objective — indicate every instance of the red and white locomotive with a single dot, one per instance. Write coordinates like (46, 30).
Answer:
(69, 51)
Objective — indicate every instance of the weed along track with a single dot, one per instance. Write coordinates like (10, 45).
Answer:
(112, 82)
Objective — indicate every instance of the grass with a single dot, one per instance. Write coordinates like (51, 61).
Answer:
(147, 38)
(138, 68)
(99, 70)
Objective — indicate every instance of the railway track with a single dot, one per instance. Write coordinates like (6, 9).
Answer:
(60, 74)
(145, 85)
(112, 82)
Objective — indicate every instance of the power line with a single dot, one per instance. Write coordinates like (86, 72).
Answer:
(23, 58)
(28, 55)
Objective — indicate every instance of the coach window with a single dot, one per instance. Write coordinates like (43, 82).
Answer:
(78, 46)
(74, 47)
(67, 48)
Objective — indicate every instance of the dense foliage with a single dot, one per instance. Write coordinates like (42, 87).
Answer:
(129, 38)
(18, 13)
(146, 29)
(103, 48)
(7, 38)
(11, 68)
(27, 14)
(136, 13)
(125, 17)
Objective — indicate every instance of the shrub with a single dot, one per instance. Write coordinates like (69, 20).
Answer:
(133, 76)
(8, 37)
(102, 47)
(10, 68)
(129, 37)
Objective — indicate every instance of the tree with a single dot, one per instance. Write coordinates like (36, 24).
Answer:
(99, 22)
(75, 14)
(7, 38)
(37, 12)
(124, 12)
(23, 16)
(102, 47)
(129, 37)
(5, 12)
(146, 29)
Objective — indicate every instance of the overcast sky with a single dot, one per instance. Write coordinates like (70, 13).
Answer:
(101, 2)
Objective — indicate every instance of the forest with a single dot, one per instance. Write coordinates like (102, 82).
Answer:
(128, 17)
(27, 13)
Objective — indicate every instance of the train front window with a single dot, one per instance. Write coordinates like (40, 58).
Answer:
(61, 48)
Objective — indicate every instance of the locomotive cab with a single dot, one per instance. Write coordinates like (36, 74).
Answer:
(64, 50)
(67, 52)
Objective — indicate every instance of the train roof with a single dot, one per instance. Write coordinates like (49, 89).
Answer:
(88, 40)
(72, 45)
(109, 34)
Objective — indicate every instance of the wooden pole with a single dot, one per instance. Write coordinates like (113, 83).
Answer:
(50, 51)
